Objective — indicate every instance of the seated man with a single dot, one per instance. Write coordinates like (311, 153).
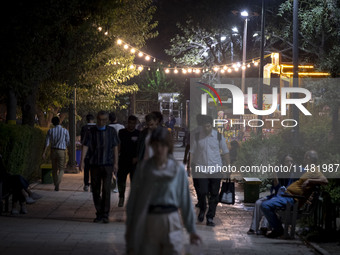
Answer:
(302, 187)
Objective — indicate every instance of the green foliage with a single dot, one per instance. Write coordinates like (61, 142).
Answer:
(21, 148)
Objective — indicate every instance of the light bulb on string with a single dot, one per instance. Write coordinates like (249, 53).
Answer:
(184, 71)
(189, 70)
(216, 68)
(176, 71)
(248, 65)
(198, 71)
(234, 66)
(222, 70)
(256, 63)
(140, 54)
(126, 46)
(229, 70)
(236, 69)
(140, 68)
(147, 58)
(133, 50)
(154, 60)
(100, 29)
(106, 33)
(132, 66)
(167, 70)
(243, 67)
(238, 64)
(225, 67)
(119, 42)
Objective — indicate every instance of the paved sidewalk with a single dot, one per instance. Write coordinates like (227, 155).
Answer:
(60, 223)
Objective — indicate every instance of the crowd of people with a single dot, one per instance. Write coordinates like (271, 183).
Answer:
(160, 201)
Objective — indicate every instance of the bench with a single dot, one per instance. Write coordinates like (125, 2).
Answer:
(292, 212)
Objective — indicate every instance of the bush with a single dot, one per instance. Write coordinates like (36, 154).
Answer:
(22, 148)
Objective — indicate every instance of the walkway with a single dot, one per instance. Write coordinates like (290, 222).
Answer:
(60, 223)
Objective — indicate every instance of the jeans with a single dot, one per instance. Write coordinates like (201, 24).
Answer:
(86, 171)
(269, 207)
(101, 177)
(208, 187)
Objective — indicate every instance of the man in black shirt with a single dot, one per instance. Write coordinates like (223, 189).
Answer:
(101, 144)
(86, 128)
(127, 155)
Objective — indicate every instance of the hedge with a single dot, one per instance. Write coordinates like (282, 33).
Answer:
(22, 148)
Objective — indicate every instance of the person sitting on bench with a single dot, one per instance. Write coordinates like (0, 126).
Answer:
(302, 187)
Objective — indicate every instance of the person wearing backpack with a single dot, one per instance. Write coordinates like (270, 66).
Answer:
(208, 150)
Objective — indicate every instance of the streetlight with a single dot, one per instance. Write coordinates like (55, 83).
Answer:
(244, 14)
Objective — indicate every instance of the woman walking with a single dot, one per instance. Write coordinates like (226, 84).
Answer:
(159, 190)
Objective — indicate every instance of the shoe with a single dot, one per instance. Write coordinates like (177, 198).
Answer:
(210, 222)
(275, 233)
(250, 232)
(115, 190)
(15, 211)
(56, 187)
(106, 220)
(86, 188)
(35, 196)
(98, 219)
(262, 231)
(200, 217)
(121, 202)
(23, 209)
(30, 200)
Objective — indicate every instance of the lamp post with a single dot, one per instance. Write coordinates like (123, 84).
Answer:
(244, 46)
(260, 85)
(296, 64)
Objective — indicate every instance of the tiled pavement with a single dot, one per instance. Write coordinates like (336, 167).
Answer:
(60, 223)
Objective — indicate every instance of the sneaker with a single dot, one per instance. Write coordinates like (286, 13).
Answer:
(115, 190)
(210, 222)
(30, 200)
(98, 219)
(200, 216)
(121, 202)
(15, 211)
(106, 220)
(86, 188)
(23, 209)
(35, 196)
(262, 231)
(56, 187)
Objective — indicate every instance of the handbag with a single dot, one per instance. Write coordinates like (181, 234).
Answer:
(227, 193)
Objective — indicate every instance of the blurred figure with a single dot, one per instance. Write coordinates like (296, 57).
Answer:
(234, 145)
(159, 189)
(302, 187)
(101, 144)
(59, 139)
(84, 130)
(159, 117)
(144, 150)
(127, 155)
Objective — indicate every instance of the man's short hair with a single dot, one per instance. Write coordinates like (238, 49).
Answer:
(89, 117)
(101, 113)
(150, 117)
(112, 117)
(55, 121)
(132, 118)
(159, 116)
(313, 156)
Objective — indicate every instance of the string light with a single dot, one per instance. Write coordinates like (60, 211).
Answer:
(126, 46)
(256, 63)
(119, 42)
(243, 67)
(175, 71)
(140, 68)
(106, 33)
(133, 50)
(147, 58)
(100, 29)
(140, 54)
(132, 66)
(167, 70)
(229, 70)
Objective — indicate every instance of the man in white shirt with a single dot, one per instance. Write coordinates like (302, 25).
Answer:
(209, 149)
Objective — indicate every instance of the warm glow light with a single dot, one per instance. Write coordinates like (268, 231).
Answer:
(248, 65)
(229, 70)
(126, 46)
(119, 41)
(115, 63)
(140, 54)
(175, 71)
(100, 29)
(198, 71)
(238, 64)
(222, 70)
(184, 71)
(167, 70)
(147, 58)
(225, 67)
(133, 50)
(216, 69)
(140, 68)
(256, 63)
(189, 70)
(106, 33)
(236, 69)
(154, 60)
(243, 67)
(132, 66)
(234, 66)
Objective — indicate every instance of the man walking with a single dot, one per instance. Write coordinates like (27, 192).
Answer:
(59, 139)
(127, 155)
(84, 130)
(207, 149)
(101, 144)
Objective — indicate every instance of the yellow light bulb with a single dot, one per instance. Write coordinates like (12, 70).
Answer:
(100, 29)
(248, 65)
(222, 70)
(256, 63)
(229, 70)
(184, 71)
(106, 33)
(236, 69)
(175, 71)
(189, 70)
(119, 41)
(140, 54)
(216, 69)
(147, 58)
(126, 46)
(132, 66)
(167, 70)
(225, 67)
(133, 50)
(198, 71)
(140, 68)
(243, 67)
